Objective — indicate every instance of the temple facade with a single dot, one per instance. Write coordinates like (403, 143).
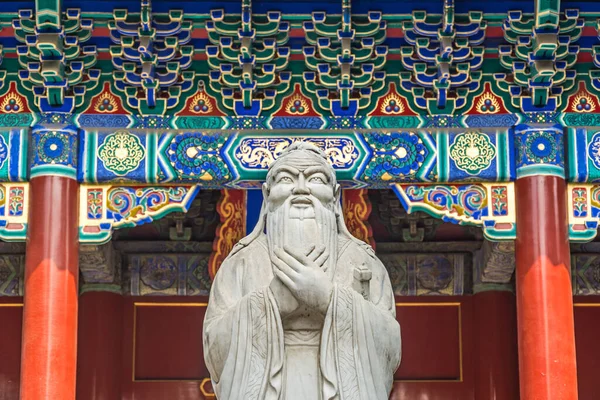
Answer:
(135, 137)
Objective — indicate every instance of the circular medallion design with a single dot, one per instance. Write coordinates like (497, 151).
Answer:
(160, 273)
(472, 152)
(53, 147)
(593, 150)
(435, 273)
(3, 151)
(121, 152)
(541, 148)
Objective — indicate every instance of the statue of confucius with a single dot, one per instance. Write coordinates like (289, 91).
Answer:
(300, 309)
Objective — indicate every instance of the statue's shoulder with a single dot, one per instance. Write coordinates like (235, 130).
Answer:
(356, 253)
(249, 248)
(357, 250)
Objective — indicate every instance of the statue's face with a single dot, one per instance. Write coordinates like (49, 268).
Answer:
(298, 183)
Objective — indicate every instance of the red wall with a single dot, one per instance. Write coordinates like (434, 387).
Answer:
(150, 348)
(11, 316)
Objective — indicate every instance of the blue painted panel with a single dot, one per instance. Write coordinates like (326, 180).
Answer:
(254, 199)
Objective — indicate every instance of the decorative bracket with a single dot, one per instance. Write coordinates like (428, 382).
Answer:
(248, 60)
(443, 60)
(57, 68)
(105, 208)
(151, 58)
(583, 202)
(14, 212)
(540, 56)
(595, 73)
(346, 59)
(490, 206)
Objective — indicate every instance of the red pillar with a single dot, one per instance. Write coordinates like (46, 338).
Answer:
(49, 353)
(547, 366)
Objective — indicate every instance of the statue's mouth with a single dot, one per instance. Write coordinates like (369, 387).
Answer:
(301, 201)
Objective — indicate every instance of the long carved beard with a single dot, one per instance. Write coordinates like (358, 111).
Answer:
(303, 228)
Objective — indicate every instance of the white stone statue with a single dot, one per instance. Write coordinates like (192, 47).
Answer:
(301, 310)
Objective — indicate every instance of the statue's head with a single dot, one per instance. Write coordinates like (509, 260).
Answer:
(302, 199)
(301, 175)
(301, 205)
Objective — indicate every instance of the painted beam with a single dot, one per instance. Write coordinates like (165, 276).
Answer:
(240, 160)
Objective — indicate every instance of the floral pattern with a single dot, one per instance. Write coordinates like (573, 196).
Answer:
(121, 152)
(472, 152)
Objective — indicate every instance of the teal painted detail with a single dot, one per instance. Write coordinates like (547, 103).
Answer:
(540, 169)
(14, 147)
(394, 122)
(53, 170)
(13, 120)
(472, 152)
(13, 235)
(504, 166)
(200, 123)
(151, 167)
(442, 159)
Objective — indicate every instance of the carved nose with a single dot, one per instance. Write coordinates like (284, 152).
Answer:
(300, 187)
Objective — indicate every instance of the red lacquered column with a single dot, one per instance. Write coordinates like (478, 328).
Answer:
(547, 366)
(49, 353)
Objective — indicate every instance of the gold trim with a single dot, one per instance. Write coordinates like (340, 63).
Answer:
(586, 305)
(460, 343)
(142, 304)
(11, 304)
(205, 393)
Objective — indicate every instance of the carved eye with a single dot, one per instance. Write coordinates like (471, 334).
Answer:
(316, 179)
(285, 179)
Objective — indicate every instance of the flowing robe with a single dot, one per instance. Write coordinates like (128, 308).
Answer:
(244, 345)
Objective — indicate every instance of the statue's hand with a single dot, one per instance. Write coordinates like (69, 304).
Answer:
(286, 301)
(303, 275)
